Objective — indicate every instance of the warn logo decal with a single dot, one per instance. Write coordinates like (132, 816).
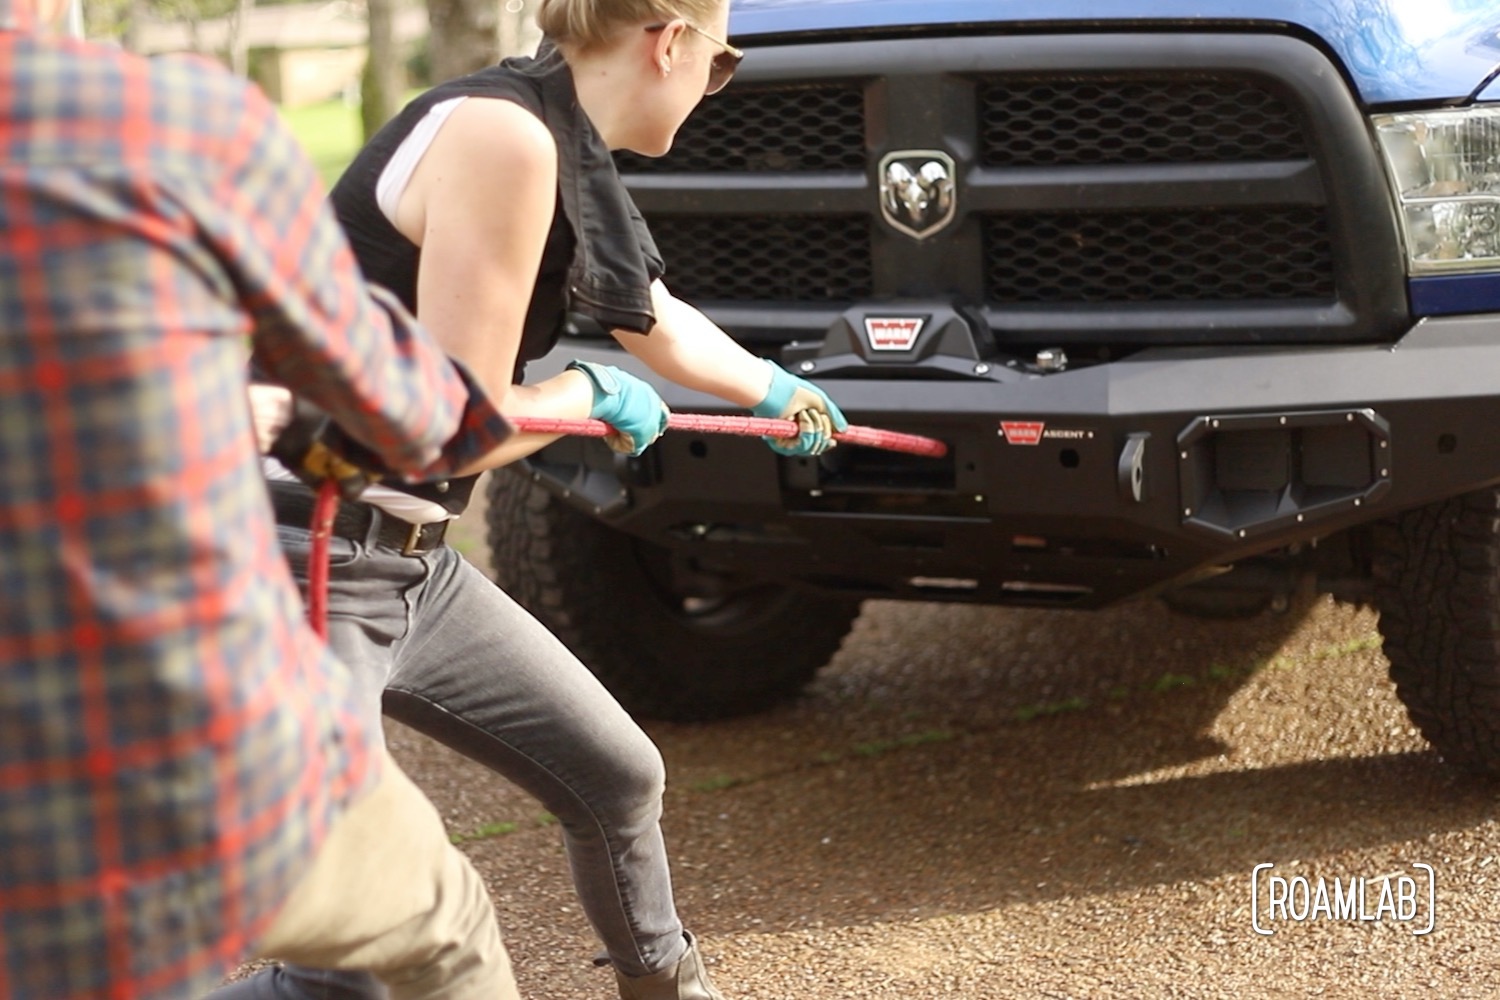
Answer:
(893, 333)
(1037, 431)
(1022, 431)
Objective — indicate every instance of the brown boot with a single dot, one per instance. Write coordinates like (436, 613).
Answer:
(687, 980)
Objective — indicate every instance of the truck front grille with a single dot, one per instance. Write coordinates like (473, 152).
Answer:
(1202, 188)
(798, 128)
(1046, 121)
(755, 259)
(1202, 256)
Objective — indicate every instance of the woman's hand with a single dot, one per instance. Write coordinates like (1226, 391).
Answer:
(627, 404)
(817, 416)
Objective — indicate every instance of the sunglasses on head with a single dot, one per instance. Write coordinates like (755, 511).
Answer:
(723, 65)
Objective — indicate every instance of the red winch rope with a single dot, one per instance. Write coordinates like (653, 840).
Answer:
(327, 504)
(705, 423)
(325, 507)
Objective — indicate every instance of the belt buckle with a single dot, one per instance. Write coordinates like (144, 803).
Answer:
(413, 537)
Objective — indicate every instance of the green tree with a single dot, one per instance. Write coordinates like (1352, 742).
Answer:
(120, 19)
(465, 36)
(384, 79)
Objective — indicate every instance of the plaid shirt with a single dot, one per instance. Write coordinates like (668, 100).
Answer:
(174, 742)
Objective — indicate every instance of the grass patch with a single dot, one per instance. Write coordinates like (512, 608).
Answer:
(1223, 672)
(1043, 709)
(1169, 682)
(486, 832)
(877, 747)
(718, 783)
(330, 132)
(1349, 648)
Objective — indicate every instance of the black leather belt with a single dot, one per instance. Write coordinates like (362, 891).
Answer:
(293, 504)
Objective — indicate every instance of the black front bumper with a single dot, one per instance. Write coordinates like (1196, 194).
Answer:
(1076, 488)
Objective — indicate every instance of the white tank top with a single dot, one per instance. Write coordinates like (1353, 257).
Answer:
(399, 168)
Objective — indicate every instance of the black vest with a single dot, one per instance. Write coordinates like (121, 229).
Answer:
(599, 259)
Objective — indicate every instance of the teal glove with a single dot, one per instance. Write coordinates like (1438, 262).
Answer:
(817, 416)
(627, 404)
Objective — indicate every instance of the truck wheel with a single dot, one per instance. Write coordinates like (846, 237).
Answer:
(1437, 588)
(662, 653)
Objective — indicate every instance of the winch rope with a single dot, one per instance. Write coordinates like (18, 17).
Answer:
(706, 423)
(325, 508)
(327, 504)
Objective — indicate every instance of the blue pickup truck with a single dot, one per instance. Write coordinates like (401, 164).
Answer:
(1203, 297)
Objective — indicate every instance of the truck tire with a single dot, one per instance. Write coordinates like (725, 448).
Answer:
(663, 655)
(1437, 588)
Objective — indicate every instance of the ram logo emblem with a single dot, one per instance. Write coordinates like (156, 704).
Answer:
(918, 193)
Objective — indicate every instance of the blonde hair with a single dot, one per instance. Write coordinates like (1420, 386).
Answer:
(585, 23)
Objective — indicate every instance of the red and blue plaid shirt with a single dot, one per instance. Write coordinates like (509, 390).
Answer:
(174, 742)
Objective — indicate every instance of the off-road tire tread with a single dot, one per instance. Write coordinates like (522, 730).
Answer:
(582, 580)
(1437, 588)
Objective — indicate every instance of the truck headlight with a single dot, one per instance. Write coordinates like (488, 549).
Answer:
(1445, 166)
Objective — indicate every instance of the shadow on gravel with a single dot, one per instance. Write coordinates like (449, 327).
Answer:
(959, 759)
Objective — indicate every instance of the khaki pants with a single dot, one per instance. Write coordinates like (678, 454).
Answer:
(389, 893)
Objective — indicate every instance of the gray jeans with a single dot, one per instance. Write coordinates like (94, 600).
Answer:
(457, 659)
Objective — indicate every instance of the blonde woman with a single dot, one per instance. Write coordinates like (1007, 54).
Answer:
(491, 206)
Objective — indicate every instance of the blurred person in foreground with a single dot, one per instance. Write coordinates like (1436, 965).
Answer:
(186, 777)
(491, 206)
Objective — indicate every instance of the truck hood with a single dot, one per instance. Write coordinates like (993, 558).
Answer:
(1393, 50)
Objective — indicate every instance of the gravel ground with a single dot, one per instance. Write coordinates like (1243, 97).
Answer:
(987, 803)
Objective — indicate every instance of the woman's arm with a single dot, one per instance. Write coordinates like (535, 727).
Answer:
(688, 348)
(480, 205)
